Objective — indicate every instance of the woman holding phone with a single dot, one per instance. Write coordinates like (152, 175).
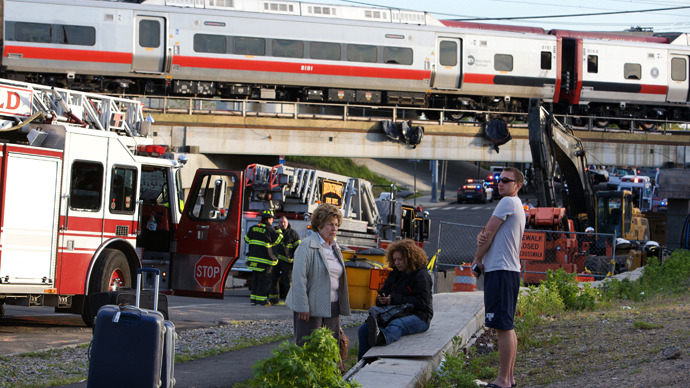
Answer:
(409, 282)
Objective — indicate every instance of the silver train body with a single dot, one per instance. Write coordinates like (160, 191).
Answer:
(288, 50)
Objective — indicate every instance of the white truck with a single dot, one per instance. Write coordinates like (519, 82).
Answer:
(641, 188)
(296, 192)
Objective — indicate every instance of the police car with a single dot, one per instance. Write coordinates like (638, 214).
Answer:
(475, 190)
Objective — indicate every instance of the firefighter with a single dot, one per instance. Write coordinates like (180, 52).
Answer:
(261, 258)
(282, 272)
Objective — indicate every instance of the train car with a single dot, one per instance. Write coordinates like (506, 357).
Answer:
(290, 50)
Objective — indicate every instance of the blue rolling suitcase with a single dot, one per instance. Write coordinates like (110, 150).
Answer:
(128, 346)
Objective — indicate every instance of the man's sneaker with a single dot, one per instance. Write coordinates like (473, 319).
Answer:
(374, 331)
(253, 303)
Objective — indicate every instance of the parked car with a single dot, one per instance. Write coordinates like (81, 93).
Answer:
(616, 174)
(597, 174)
(476, 190)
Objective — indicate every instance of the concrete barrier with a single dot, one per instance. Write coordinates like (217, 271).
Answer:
(411, 359)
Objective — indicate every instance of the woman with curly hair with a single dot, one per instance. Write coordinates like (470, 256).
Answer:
(409, 282)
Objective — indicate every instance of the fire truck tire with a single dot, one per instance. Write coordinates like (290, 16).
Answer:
(111, 272)
(2, 310)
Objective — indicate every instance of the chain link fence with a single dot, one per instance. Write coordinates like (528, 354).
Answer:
(590, 255)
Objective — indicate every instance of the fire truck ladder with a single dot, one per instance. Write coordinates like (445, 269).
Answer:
(89, 110)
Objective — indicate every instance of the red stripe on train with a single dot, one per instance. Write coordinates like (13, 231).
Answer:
(654, 89)
(300, 68)
(473, 78)
(69, 54)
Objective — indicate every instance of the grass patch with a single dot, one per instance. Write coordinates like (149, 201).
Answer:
(342, 166)
(642, 325)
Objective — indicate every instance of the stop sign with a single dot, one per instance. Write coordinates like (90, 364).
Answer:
(207, 271)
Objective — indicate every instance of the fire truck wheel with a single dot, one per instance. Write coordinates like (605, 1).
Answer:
(111, 273)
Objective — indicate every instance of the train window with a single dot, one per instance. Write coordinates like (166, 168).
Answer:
(287, 48)
(32, 32)
(592, 63)
(86, 186)
(503, 62)
(678, 69)
(546, 60)
(249, 46)
(397, 55)
(324, 50)
(448, 53)
(361, 53)
(632, 71)
(205, 43)
(149, 33)
(78, 35)
(123, 185)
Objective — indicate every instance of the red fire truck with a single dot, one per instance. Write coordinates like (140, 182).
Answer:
(86, 199)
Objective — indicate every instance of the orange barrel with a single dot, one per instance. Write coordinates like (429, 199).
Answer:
(464, 279)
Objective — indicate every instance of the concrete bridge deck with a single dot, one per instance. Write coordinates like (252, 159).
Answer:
(250, 135)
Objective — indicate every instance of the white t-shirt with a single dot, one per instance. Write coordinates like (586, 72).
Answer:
(504, 252)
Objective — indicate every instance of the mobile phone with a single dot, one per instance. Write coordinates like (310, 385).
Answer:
(477, 270)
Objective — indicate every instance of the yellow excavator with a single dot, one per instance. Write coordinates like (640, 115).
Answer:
(610, 212)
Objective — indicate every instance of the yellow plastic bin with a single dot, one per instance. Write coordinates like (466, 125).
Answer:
(358, 279)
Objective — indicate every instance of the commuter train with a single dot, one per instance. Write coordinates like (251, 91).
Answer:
(289, 50)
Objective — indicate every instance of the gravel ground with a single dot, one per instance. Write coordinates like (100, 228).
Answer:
(71, 363)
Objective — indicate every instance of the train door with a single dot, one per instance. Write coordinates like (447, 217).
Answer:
(571, 70)
(149, 44)
(208, 236)
(447, 68)
(678, 78)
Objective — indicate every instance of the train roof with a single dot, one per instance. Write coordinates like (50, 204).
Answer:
(492, 27)
(610, 36)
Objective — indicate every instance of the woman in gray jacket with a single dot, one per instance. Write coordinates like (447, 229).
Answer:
(318, 295)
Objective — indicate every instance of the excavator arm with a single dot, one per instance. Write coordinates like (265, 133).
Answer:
(553, 144)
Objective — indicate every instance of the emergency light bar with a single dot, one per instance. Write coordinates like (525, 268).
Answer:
(152, 150)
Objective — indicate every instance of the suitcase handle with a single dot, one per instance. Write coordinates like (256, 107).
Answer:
(138, 293)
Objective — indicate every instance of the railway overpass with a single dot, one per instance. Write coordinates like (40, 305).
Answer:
(221, 133)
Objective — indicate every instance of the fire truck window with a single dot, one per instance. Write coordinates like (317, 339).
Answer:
(212, 199)
(123, 185)
(86, 186)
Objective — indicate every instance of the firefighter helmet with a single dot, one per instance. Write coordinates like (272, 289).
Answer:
(266, 214)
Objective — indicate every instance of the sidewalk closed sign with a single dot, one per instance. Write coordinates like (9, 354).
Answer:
(532, 246)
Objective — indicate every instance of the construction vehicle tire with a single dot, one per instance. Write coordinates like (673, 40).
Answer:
(598, 265)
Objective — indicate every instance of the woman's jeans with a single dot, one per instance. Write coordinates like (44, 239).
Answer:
(410, 324)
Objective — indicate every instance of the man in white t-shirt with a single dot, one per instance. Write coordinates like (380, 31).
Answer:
(498, 256)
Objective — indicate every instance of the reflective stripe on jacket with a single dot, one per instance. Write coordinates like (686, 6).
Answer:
(262, 240)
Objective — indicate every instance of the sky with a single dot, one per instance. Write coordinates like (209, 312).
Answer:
(543, 12)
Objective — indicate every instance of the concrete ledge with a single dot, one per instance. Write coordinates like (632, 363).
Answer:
(406, 362)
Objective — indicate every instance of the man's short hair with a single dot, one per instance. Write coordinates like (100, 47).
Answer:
(517, 174)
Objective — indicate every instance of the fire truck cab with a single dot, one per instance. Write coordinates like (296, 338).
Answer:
(86, 199)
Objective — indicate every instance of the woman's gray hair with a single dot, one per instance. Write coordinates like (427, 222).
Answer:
(324, 213)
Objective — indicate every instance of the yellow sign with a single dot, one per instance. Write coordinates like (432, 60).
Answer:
(533, 246)
(332, 192)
